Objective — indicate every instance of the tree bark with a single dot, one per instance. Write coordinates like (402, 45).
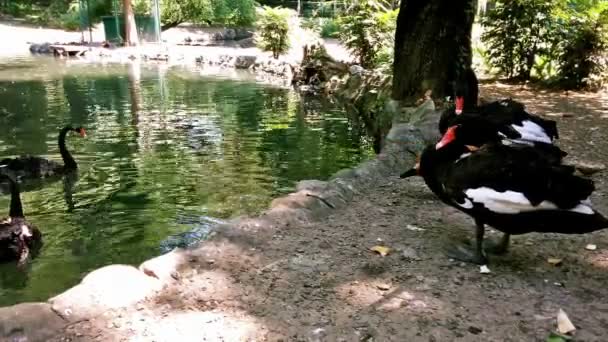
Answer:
(432, 47)
(130, 27)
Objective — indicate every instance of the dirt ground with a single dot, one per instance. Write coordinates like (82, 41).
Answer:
(320, 281)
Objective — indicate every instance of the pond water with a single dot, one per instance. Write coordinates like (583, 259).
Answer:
(168, 150)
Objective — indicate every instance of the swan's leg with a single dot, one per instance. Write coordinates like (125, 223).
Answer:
(499, 248)
(477, 256)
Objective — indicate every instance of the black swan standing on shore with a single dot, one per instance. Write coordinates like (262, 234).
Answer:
(18, 238)
(32, 167)
(510, 188)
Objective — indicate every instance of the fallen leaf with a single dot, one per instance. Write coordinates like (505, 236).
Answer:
(150, 273)
(558, 338)
(591, 247)
(554, 261)
(564, 325)
(484, 269)
(382, 250)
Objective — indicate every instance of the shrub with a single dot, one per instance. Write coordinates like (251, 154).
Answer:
(222, 12)
(367, 30)
(330, 28)
(516, 31)
(234, 12)
(582, 59)
(557, 40)
(272, 28)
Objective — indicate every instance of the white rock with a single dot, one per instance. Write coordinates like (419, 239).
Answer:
(484, 269)
(109, 287)
(591, 247)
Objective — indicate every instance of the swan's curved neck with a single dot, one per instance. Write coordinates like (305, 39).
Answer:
(16, 209)
(68, 161)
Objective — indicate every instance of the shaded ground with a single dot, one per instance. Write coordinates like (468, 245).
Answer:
(320, 282)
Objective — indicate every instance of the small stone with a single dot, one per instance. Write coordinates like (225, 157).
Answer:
(554, 261)
(484, 269)
(409, 253)
(588, 168)
(591, 247)
(475, 330)
(175, 275)
(420, 278)
(383, 287)
(414, 228)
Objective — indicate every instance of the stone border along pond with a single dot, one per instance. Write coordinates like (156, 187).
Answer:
(120, 286)
(267, 69)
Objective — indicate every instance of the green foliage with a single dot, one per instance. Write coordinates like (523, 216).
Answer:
(234, 12)
(557, 40)
(71, 19)
(516, 32)
(325, 27)
(367, 28)
(65, 13)
(330, 29)
(272, 28)
(222, 12)
(582, 59)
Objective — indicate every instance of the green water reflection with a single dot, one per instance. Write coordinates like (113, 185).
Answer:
(166, 147)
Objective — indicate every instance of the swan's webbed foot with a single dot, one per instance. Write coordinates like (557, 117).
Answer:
(478, 256)
(461, 253)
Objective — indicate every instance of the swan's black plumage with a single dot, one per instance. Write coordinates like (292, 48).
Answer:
(510, 188)
(18, 237)
(32, 167)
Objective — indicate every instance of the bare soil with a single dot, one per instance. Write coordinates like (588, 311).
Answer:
(320, 281)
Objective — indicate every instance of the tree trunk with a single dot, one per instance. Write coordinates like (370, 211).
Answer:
(130, 27)
(432, 47)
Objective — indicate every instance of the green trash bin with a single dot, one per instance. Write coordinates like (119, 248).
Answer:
(145, 28)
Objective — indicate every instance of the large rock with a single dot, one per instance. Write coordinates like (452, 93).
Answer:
(241, 33)
(110, 287)
(246, 43)
(44, 48)
(29, 322)
(244, 62)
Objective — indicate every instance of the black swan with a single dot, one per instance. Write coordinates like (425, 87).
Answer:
(507, 117)
(18, 238)
(32, 167)
(509, 188)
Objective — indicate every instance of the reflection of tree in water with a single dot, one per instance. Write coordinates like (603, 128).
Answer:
(312, 150)
(23, 107)
(101, 222)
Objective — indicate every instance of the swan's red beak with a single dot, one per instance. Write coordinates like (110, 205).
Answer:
(83, 133)
(448, 137)
(459, 104)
